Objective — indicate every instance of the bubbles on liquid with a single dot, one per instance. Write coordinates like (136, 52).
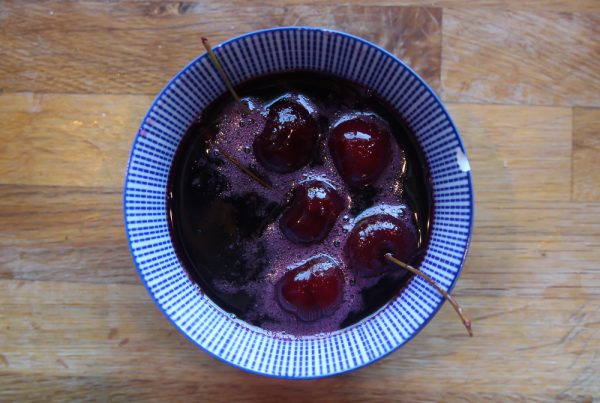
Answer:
(352, 281)
(247, 149)
(346, 217)
(336, 243)
(215, 153)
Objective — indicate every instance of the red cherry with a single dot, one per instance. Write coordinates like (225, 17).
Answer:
(373, 237)
(312, 213)
(312, 290)
(289, 137)
(361, 148)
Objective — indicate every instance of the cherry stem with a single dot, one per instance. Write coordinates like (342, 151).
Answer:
(429, 280)
(217, 64)
(245, 170)
(212, 141)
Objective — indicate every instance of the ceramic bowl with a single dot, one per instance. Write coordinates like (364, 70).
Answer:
(197, 317)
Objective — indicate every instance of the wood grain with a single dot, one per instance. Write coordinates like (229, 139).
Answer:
(541, 58)
(76, 79)
(68, 140)
(76, 388)
(530, 5)
(134, 48)
(63, 234)
(586, 150)
(517, 153)
(131, 340)
(538, 249)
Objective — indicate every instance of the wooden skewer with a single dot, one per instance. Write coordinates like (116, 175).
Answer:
(425, 277)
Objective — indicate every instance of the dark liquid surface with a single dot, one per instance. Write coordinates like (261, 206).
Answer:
(224, 225)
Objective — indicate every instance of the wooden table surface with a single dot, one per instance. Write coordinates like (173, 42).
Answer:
(520, 77)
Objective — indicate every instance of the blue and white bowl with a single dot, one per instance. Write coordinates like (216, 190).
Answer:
(202, 321)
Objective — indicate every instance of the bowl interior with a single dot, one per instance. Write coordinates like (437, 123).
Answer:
(205, 324)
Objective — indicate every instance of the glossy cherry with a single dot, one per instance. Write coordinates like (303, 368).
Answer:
(312, 290)
(289, 137)
(313, 210)
(373, 237)
(360, 148)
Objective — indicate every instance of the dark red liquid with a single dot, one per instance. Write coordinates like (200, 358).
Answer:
(226, 227)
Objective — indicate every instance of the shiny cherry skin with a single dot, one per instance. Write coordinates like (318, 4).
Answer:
(360, 146)
(289, 137)
(373, 237)
(312, 290)
(313, 210)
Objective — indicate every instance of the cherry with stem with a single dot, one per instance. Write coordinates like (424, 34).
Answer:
(429, 280)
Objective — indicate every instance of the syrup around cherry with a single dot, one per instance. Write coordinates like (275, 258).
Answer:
(244, 244)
